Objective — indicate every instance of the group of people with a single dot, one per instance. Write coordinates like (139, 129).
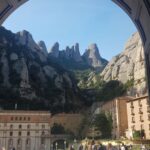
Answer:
(99, 146)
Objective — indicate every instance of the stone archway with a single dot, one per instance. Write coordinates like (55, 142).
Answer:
(138, 11)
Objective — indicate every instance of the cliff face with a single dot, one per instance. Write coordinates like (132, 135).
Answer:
(128, 65)
(27, 73)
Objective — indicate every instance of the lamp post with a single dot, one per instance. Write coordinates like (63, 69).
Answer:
(75, 142)
(56, 145)
(86, 140)
(51, 147)
(93, 134)
(65, 145)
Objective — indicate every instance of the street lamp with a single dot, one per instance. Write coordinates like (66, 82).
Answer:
(75, 146)
(86, 139)
(65, 145)
(56, 145)
(51, 146)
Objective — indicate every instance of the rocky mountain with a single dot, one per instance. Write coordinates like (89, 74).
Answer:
(127, 67)
(70, 58)
(28, 76)
(93, 58)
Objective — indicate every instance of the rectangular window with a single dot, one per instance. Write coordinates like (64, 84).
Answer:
(11, 133)
(142, 127)
(133, 127)
(141, 118)
(140, 104)
(133, 120)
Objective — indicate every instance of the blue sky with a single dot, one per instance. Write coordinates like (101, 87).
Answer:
(71, 21)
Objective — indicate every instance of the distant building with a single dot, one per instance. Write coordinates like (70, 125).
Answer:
(138, 110)
(117, 108)
(25, 130)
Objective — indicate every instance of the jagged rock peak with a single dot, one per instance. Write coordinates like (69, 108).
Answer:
(25, 38)
(92, 56)
(54, 51)
(75, 52)
(42, 46)
(93, 47)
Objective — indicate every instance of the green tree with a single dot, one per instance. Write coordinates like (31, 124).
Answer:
(103, 123)
(57, 129)
(111, 90)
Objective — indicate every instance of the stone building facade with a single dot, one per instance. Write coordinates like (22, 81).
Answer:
(138, 110)
(25, 130)
(117, 108)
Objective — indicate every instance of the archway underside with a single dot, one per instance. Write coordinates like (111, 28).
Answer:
(138, 11)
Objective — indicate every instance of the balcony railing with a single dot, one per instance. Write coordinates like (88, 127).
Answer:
(133, 121)
(141, 120)
(140, 112)
(132, 113)
(140, 105)
(131, 106)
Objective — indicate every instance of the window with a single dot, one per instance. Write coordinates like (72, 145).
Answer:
(148, 109)
(42, 141)
(19, 133)
(141, 118)
(43, 133)
(11, 133)
(16, 118)
(43, 126)
(133, 120)
(28, 126)
(131, 106)
(140, 111)
(149, 117)
(19, 142)
(141, 126)
(28, 133)
(132, 111)
(133, 127)
(11, 126)
(20, 126)
(12, 118)
(20, 118)
(24, 118)
(10, 142)
(140, 104)
(28, 142)
(28, 118)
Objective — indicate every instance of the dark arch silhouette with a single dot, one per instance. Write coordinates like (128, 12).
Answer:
(138, 11)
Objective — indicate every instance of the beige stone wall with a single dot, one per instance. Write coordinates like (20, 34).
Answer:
(138, 111)
(69, 121)
(118, 109)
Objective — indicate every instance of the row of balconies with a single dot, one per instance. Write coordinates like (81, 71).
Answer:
(133, 121)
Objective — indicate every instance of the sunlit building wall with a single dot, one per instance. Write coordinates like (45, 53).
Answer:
(138, 110)
(25, 130)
